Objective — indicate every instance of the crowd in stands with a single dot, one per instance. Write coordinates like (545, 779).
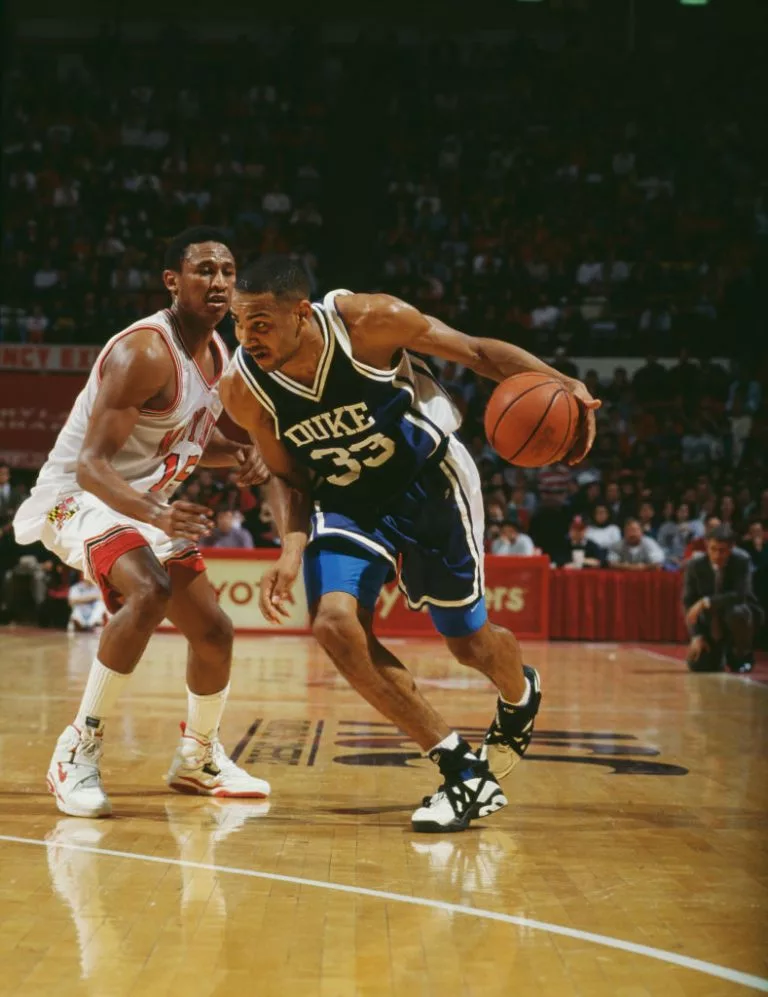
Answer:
(569, 198)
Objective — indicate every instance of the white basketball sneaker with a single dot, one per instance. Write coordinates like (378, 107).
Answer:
(74, 777)
(202, 766)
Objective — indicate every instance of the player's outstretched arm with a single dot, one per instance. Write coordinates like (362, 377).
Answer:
(386, 323)
(223, 452)
(136, 372)
(288, 493)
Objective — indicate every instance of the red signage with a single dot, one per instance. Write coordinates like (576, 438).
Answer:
(69, 359)
(517, 592)
(517, 595)
(33, 408)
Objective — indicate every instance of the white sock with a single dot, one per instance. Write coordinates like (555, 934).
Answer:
(101, 692)
(448, 743)
(204, 712)
(524, 698)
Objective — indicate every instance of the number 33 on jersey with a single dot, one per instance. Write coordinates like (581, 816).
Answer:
(365, 432)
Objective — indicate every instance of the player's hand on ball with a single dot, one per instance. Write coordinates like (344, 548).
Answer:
(253, 470)
(185, 520)
(585, 436)
(275, 589)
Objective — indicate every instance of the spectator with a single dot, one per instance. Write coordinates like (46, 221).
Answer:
(227, 533)
(675, 534)
(88, 612)
(11, 496)
(267, 534)
(649, 382)
(210, 488)
(647, 518)
(545, 315)
(721, 610)
(549, 525)
(745, 388)
(564, 364)
(555, 483)
(699, 446)
(613, 501)
(755, 546)
(602, 530)
(698, 545)
(757, 550)
(578, 551)
(636, 552)
(512, 541)
(729, 514)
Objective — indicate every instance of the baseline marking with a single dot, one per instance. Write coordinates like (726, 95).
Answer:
(709, 968)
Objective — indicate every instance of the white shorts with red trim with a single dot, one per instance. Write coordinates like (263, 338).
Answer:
(89, 536)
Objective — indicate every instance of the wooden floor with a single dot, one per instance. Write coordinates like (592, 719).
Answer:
(631, 861)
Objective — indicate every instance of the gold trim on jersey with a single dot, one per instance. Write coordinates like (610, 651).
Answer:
(315, 393)
(255, 388)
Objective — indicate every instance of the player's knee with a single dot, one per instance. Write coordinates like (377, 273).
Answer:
(339, 633)
(149, 600)
(217, 636)
(477, 649)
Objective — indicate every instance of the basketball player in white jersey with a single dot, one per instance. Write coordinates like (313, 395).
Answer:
(146, 417)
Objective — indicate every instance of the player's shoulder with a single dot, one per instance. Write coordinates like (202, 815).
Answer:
(371, 310)
(143, 354)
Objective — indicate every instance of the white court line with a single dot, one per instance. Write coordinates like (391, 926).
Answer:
(710, 968)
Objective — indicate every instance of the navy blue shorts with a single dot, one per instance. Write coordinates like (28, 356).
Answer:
(431, 540)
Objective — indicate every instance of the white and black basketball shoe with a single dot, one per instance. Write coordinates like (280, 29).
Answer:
(470, 791)
(511, 730)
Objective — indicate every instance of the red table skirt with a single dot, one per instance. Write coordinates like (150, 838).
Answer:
(603, 605)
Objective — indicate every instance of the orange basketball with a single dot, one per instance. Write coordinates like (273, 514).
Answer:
(531, 420)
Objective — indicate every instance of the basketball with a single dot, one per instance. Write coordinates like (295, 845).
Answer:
(531, 420)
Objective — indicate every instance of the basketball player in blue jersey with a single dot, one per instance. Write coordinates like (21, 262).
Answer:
(370, 481)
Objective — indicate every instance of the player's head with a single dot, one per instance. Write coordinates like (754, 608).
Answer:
(199, 271)
(271, 309)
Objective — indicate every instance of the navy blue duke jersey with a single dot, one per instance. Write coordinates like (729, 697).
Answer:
(365, 433)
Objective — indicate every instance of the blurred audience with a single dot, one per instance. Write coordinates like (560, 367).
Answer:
(228, 532)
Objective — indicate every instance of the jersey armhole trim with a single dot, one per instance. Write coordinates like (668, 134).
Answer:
(151, 413)
(256, 389)
(341, 333)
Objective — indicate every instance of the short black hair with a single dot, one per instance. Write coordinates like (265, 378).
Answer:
(283, 276)
(177, 247)
(722, 534)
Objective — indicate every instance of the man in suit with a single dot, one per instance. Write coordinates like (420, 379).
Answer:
(577, 551)
(721, 609)
(11, 496)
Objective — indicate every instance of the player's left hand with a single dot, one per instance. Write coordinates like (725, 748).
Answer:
(585, 435)
(253, 470)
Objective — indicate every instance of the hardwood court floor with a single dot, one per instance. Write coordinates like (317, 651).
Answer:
(634, 845)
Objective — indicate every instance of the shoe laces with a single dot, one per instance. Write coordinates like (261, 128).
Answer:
(86, 753)
(220, 758)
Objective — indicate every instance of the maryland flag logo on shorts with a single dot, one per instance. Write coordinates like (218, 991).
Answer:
(60, 513)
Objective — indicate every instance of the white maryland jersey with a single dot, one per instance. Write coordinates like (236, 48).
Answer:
(163, 447)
